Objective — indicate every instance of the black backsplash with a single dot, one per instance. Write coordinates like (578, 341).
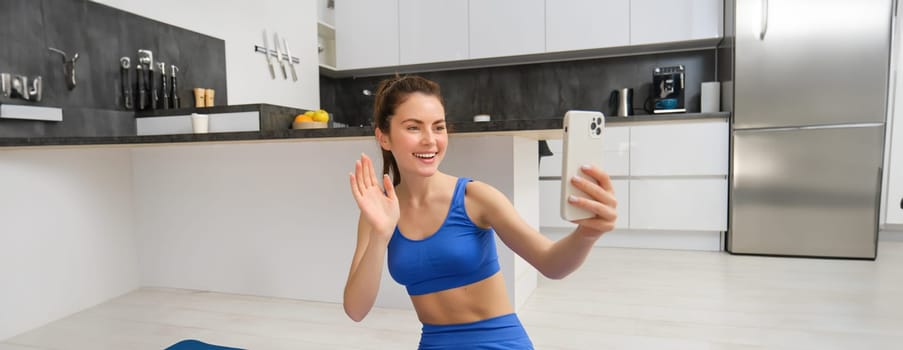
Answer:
(531, 91)
(101, 35)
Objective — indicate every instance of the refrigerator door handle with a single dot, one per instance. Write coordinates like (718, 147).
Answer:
(764, 19)
(811, 127)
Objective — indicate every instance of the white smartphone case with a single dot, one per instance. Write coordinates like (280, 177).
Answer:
(584, 132)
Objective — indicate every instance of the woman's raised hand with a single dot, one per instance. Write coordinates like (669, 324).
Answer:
(602, 202)
(380, 209)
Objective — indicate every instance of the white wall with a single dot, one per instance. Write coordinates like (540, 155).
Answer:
(240, 24)
(66, 240)
(892, 180)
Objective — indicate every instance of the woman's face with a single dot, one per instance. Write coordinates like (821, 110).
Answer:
(417, 135)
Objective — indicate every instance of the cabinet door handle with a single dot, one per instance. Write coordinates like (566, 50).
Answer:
(764, 25)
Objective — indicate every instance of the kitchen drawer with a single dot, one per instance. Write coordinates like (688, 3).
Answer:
(181, 124)
(699, 148)
(616, 155)
(678, 204)
(550, 208)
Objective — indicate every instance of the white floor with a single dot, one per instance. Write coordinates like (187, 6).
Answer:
(620, 299)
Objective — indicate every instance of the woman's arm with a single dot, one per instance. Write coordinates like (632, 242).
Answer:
(379, 215)
(553, 259)
(366, 272)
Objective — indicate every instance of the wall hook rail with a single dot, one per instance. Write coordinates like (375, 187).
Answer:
(273, 53)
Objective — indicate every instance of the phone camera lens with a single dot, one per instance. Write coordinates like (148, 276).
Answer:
(592, 125)
(598, 131)
(598, 120)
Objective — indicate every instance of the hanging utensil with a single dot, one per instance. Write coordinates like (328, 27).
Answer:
(126, 84)
(266, 48)
(68, 67)
(176, 103)
(164, 98)
(279, 55)
(291, 62)
(142, 88)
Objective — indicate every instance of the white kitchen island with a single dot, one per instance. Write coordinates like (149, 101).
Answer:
(85, 224)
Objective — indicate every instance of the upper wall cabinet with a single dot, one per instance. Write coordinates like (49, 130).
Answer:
(656, 21)
(432, 30)
(507, 27)
(587, 24)
(366, 33)
(378, 36)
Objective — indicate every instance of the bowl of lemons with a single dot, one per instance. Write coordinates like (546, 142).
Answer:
(311, 120)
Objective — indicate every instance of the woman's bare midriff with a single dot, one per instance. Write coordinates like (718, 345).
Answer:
(470, 303)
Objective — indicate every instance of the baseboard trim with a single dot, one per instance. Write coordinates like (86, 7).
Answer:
(886, 235)
(652, 239)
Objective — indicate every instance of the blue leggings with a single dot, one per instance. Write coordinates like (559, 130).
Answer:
(498, 333)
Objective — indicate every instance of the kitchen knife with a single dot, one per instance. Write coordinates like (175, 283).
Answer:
(175, 88)
(279, 55)
(142, 89)
(164, 98)
(146, 57)
(291, 63)
(266, 48)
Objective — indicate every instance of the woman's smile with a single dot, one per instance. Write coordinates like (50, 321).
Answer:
(428, 158)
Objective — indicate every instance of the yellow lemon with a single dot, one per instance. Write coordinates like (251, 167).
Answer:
(321, 116)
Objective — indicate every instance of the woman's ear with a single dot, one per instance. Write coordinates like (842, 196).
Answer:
(383, 140)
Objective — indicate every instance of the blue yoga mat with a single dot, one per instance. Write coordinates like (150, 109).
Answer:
(191, 344)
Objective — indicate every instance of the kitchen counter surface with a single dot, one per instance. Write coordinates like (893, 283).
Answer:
(534, 128)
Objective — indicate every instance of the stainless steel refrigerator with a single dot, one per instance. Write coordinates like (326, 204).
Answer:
(806, 82)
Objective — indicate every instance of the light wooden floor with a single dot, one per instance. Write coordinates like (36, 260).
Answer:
(620, 299)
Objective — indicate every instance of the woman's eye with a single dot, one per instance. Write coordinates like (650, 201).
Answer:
(440, 127)
(412, 128)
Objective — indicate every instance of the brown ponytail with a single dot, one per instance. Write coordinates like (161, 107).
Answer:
(391, 93)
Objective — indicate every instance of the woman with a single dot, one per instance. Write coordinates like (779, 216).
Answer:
(436, 230)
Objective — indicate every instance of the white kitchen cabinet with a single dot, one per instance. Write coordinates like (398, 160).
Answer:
(686, 149)
(656, 21)
(432, 31)
(587, 24)
(366, 33)
(550, 204)
(506, 27)
(616, 157)
(678, 204)
(326, 45)
(670, 176)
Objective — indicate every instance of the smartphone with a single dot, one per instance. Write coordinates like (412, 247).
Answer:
(584, 132)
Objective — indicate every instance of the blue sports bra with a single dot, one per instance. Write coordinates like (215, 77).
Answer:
(458, 254)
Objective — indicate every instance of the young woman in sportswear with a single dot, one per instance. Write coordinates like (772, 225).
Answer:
(437, 230)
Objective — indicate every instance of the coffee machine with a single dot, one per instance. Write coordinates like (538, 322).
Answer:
(668, 89)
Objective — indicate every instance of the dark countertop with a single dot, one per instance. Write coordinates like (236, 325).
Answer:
(538, 128)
